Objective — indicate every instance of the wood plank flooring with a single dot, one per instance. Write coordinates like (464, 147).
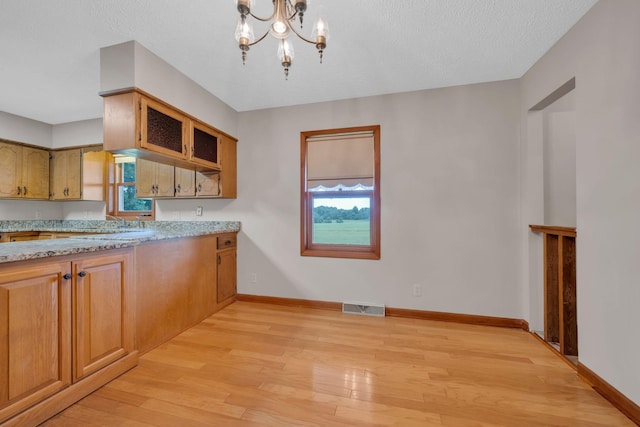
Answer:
(265, 365)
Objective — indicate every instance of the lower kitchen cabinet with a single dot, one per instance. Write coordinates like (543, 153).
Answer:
(182, 290)
(102, 332)
(63, 320)
(227, 277)
(36, 362)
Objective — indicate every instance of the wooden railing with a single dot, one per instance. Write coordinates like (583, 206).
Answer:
(560, 311)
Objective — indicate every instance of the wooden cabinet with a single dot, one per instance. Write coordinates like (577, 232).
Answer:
(221, 184)
(204, 145)
(162, 129)
(154, 179)
(183, 289)
(207, 184)
(185, 182)
(78, 174)
(35, 363)
(139, 125)
(63, 321)
(176, 293)
(65, 174)
(227, 277)
(19, 236)
(101, 330)
(160, 180)
(24, 172)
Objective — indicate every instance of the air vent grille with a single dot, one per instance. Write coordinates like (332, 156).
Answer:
(363, 308)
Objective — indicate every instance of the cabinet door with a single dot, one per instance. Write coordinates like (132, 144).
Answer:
(65, 174)
(164, 180)
(145, 178)
(35, 358)
(226, 274)
(154, 179)
(74, 174)
(205, 145)
(35, 173)
(163, 129)
(99, 326)
(185, 182)
(10, 170)
(207, 184)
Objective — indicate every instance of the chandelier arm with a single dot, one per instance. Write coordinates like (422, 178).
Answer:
(301, 36)
(264, 19)
(259, 39)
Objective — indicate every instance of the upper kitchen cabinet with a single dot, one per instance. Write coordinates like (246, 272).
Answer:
(162, 129)
(205, 145)
(24, 172)
(154, 179)
(78, 174)
(139, 125)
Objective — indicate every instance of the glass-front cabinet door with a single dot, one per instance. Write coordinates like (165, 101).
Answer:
(205, 145)
(162, 129)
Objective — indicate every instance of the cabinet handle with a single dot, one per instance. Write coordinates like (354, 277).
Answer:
(19, 191)
(82, 273)
(219, 261)
(227, 242)
(24, 190)
(67, 276)
(199, 188)
(179, 188)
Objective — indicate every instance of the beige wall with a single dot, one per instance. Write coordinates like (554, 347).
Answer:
(449, 202)
(602, 53)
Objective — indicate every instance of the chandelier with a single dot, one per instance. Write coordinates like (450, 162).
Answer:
(283, 17)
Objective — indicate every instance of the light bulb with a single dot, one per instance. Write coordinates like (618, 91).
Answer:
(321, 29)
(280, 28)
(285, 55)
(244, 30)
(285, 49)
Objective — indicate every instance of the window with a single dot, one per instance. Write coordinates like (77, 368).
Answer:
(125, 203)
(340, 193)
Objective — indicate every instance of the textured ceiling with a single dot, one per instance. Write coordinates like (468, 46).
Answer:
(50, 68)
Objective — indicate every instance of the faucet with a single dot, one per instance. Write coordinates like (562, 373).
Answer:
(115, 218)
(139, 222)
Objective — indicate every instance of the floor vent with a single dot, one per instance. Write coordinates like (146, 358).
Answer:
(365, 309)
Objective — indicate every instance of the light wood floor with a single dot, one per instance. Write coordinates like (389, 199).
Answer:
(266, 365)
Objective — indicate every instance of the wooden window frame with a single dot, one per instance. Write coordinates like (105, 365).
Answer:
(307, 247)
(114, 203)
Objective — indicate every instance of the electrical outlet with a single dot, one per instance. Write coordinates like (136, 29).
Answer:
(253, 278)
(38, 215)
(417, 290)
(199, 211)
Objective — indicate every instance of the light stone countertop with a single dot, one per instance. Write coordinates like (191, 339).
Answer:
(104, 235)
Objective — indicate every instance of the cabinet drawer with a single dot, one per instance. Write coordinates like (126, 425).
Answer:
(227, 241)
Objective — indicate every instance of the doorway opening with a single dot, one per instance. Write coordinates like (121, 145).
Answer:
(554, 309)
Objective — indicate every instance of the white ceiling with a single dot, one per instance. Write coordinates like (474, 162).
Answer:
(50, 66)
